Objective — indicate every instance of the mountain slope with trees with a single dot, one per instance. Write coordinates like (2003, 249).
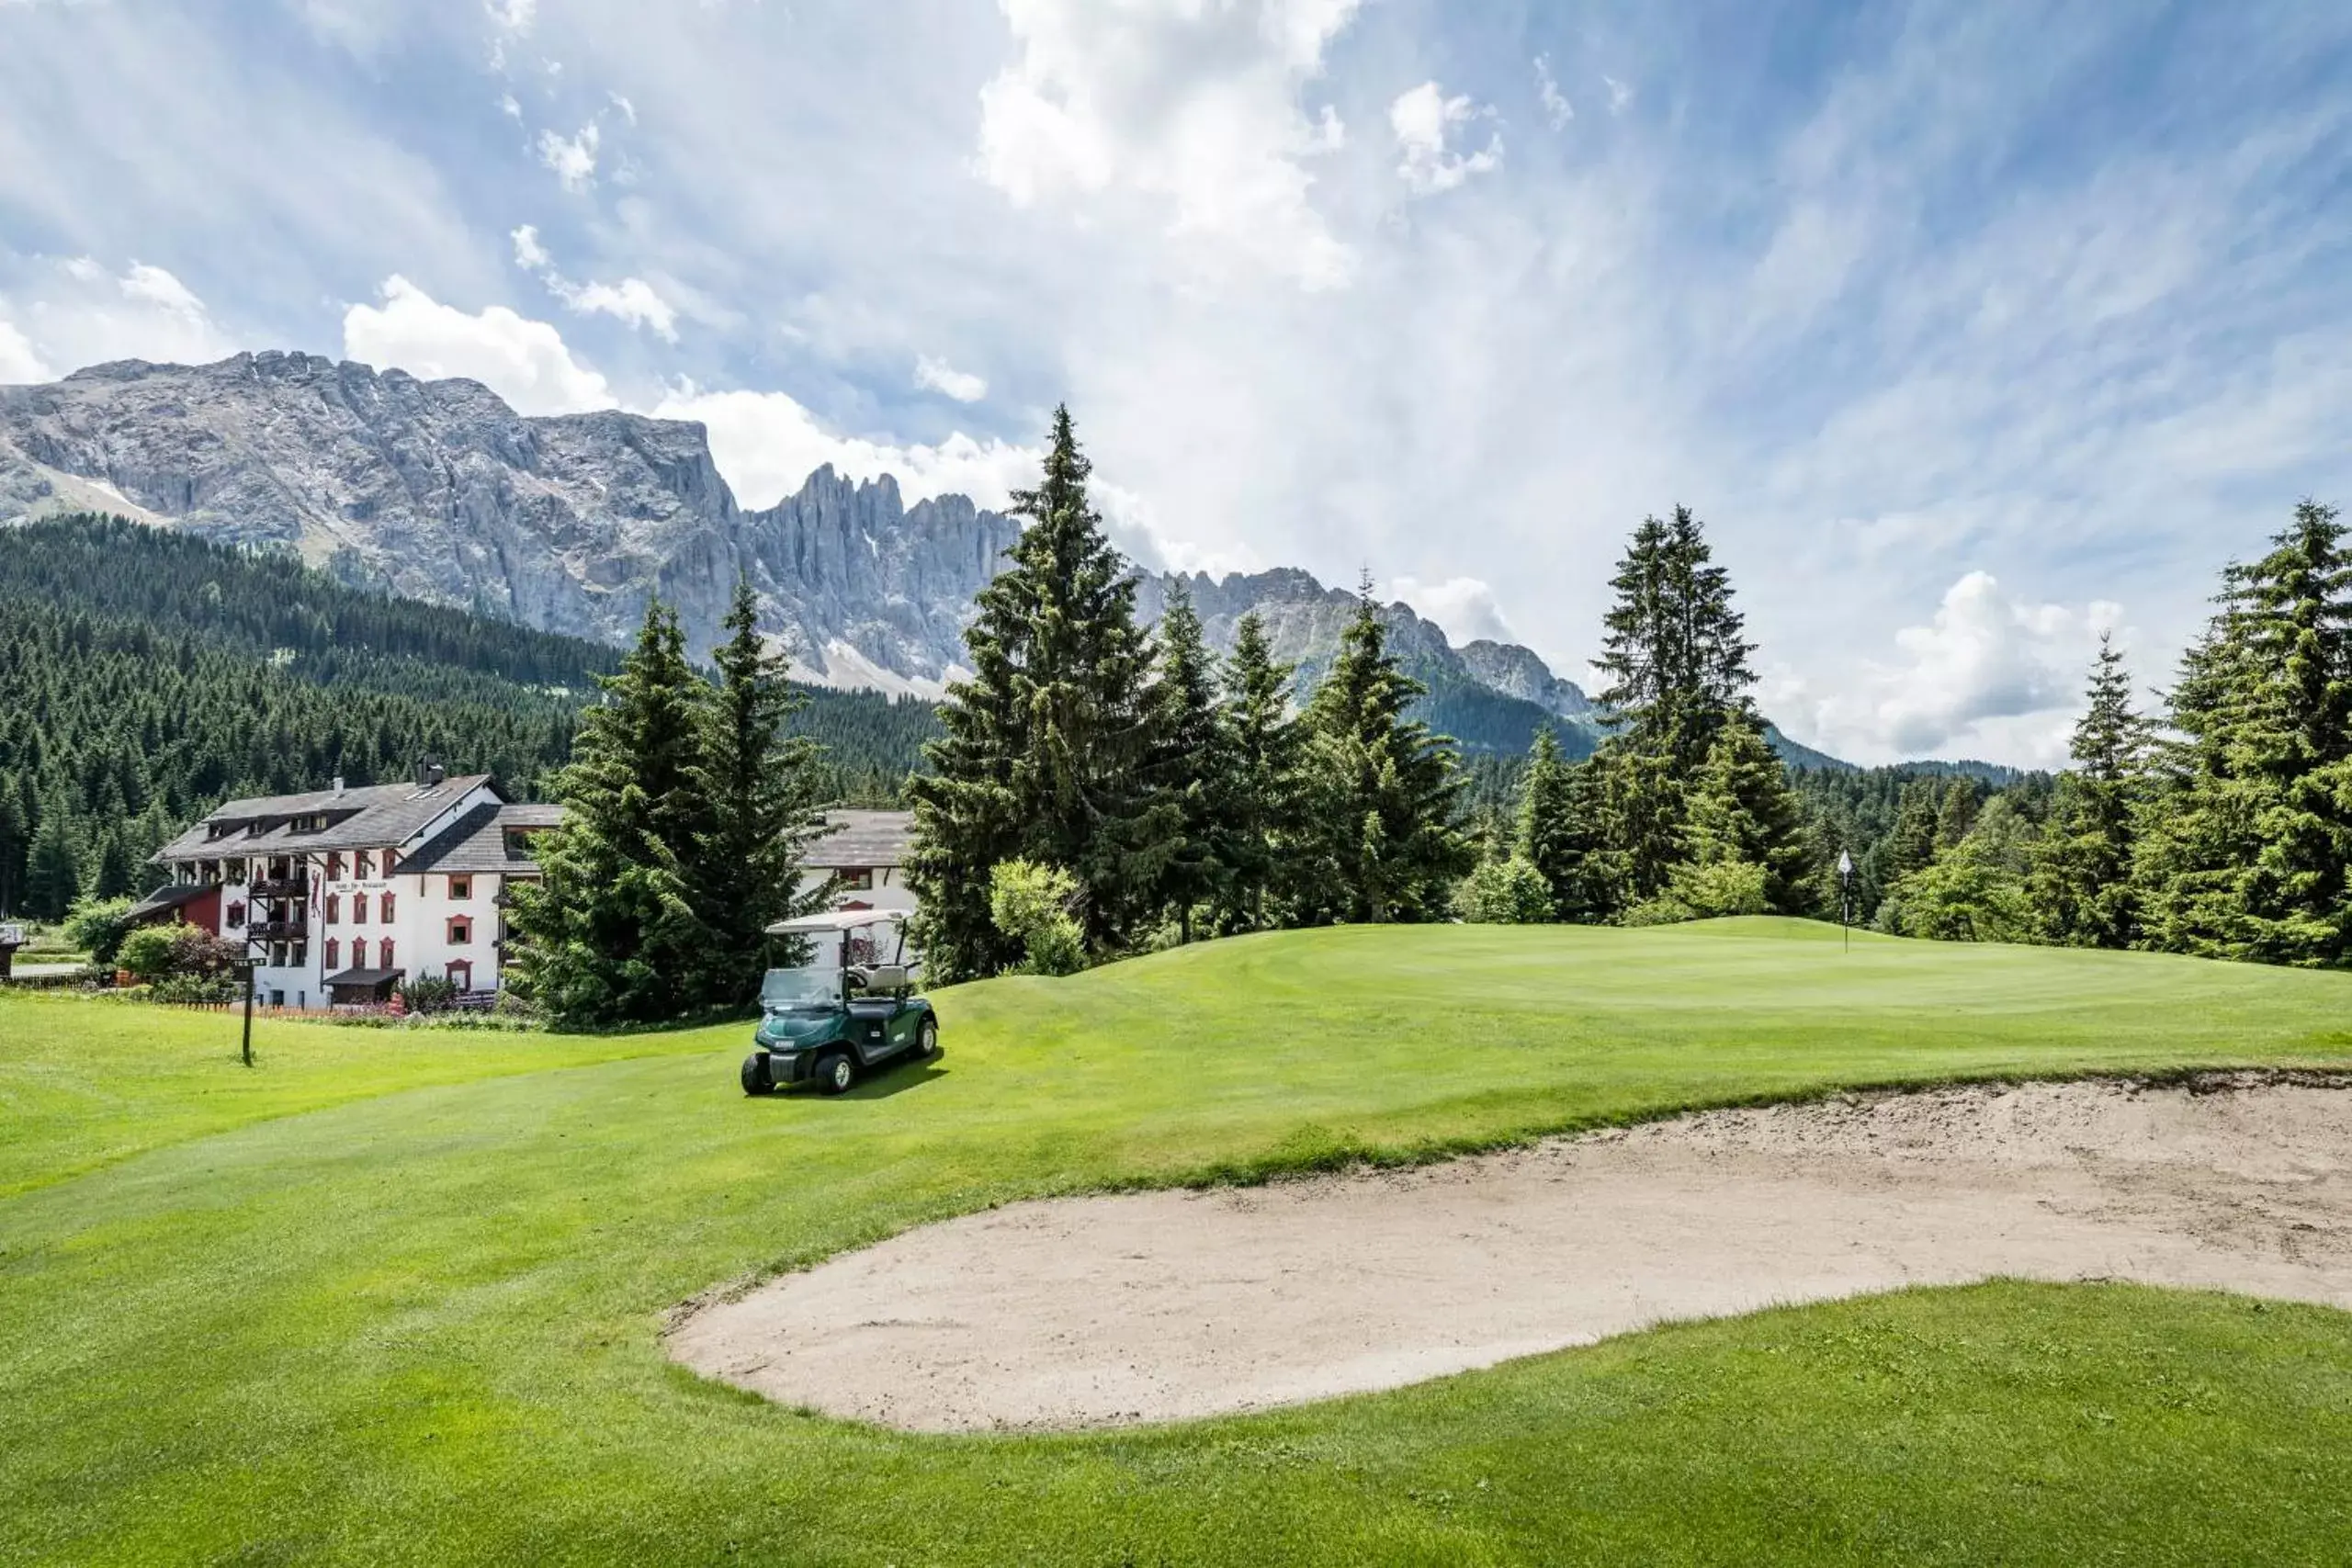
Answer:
(146, 675)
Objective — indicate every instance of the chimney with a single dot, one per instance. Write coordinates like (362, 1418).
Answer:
(430, 772)
(338, 787)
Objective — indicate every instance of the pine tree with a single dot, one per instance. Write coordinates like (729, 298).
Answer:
(1974, 891)
(2082, 884)
(1047, 747)
(53, 864)
(1676, 656)
(15, 843)
(1742, 810)
(1957, 815)
(1674, 648)
(610, 933)
(1558, 829)
(759, 790)
(1911, 844)
(1380, 840)
(1192, 765)
(2246, 849)
(1262, 812)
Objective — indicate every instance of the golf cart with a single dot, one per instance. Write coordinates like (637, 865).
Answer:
(851, 1007)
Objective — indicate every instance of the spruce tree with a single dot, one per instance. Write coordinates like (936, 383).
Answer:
(1264, 741)
(2082, 884)
(1047, 746)
(1676, 656)
(609, 934)
(1192, 764)
(2247, 851)
(759, 788)
(1380, 840)
(1957, 815)
(1557, 829)
(1742, 810)
(53, 864)
(1674, 648)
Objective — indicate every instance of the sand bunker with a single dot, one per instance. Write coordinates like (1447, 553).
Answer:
(1163, 1305)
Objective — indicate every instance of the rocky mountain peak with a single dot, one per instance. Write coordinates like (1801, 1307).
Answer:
(440, 490)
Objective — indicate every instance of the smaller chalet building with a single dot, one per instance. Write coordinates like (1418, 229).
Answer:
(343, 893)
(865, 855)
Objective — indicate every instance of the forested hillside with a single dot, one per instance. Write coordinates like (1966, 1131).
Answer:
(145, 676)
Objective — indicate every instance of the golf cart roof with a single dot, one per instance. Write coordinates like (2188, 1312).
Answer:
(839, 921)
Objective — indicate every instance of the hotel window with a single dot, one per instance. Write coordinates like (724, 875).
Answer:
(302, 950)
(235, 917)
(335, 908)
(384, 908)
(359, 909)
(391, 859)
(362, 865)
(384, 954)
(461, 888)
(334, 868)
(335, 953)
(858, 881)
(461, 931)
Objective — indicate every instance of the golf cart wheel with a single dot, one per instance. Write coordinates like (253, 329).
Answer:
(755, 1074)
(927, 1039)
(836, 1072)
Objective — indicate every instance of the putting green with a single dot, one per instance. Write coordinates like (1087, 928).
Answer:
(396, 1297)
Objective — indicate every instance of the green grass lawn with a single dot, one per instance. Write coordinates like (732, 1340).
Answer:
(395, 1297)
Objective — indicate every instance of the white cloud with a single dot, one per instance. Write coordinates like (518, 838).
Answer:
(632, 300)
(1556, 107)
(524, 361)
(938, 376)
(628, 109)
(1621, 94)
(1989, 675)
(509, 108)
(1464, 606)
(529, 254)
(574, 159)
(767, 444)
(74, 312)
(1424, 118)
(19, 365)
(511, 15)
(1193, 108)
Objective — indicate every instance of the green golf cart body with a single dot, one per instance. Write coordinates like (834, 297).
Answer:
(852, 1009)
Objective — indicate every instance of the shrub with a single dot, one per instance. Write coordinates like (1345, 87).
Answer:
(1030, 903)
(1504, 893)
(146, 953)
(95, 926)
(1723, 887)
(197, 987)
(429, 993)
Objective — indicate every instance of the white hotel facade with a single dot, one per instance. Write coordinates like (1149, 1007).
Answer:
(344, 893)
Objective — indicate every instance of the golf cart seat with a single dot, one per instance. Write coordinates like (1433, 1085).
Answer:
(875, 977)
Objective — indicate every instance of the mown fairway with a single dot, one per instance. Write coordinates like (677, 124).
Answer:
(396, 1298)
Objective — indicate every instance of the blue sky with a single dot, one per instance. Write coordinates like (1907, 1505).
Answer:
(1970, 328)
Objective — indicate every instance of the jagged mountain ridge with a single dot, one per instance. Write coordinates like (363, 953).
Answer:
(438, 490)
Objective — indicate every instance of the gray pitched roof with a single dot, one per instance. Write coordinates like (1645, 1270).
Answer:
(477, 842)
(859, 839)
(165, 897)
(367, 817)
